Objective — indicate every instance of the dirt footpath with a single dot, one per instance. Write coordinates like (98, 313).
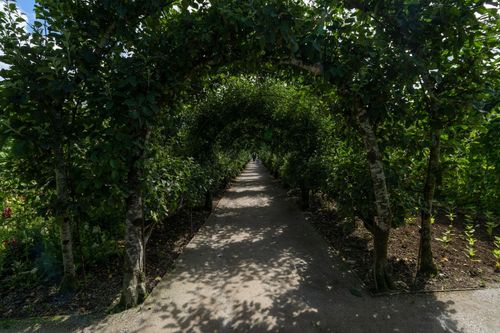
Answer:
(257, 266)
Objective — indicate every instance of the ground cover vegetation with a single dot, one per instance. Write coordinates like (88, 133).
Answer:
(119, 116)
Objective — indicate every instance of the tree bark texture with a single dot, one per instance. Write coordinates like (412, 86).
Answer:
(377, 173)
(134, 281)
(381, 274)
(63, 220)
(382, 226)
(426, 263)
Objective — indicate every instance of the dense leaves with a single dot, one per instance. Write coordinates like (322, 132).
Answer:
(116, 115)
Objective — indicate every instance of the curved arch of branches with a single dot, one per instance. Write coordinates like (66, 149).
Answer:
(99, 91)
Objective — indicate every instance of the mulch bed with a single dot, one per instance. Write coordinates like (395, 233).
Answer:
(456, 270)
(102, 286)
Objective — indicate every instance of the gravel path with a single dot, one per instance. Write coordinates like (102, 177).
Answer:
(257, 266)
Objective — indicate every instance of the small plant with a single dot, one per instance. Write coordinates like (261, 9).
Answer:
(496, 253)
(409, 219)
(471, 252)
(490, 224)
(471, 241)
(447, 236)
(451, 216)
(432, 220)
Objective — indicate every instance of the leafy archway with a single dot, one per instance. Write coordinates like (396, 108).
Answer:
(90, 85)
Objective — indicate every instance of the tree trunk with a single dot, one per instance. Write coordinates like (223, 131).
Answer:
(304, 197)
(63, 220)
(426, 262)
(382, 225)
(381, 275)
(79, 249)
(134, 281)
(208, 201)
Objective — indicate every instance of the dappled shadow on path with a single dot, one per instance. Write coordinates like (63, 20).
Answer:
(256, 266)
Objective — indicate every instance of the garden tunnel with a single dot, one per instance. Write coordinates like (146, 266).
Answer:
(298, 140)
(268, 117)
(118, 103)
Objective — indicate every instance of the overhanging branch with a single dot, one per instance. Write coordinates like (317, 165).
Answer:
(316, 69)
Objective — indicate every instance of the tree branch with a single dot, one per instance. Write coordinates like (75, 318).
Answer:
(316, 69)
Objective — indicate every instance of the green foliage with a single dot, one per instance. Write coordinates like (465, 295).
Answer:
(496, 252)
(451, 216)
(447, 236)
(470, 167)
(24, 225)
(471, 240)
(176, 182)
(103, 88)
(490, 224)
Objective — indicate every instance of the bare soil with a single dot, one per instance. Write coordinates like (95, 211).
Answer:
(456, 270)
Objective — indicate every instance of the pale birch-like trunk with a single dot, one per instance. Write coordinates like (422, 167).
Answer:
(426, 261)
(134, 280)
(383, 223)
(63, 220)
